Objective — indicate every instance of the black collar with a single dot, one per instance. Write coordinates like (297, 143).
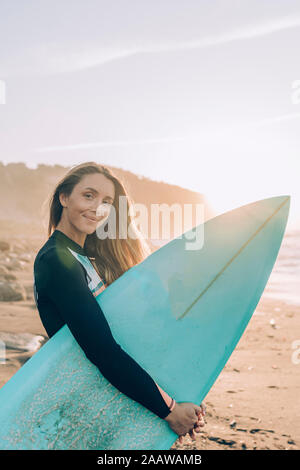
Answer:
(67, 241)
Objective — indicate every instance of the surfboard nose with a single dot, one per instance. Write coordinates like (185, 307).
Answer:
(256, 228)
(283, 200)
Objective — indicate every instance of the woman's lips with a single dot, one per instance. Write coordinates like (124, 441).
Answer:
(91, 219)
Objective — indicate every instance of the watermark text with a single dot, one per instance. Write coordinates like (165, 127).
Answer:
(2, 92)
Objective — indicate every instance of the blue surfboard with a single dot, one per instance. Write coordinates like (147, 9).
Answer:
(179, 313)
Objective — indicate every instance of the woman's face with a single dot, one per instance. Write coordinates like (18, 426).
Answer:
(81, 206)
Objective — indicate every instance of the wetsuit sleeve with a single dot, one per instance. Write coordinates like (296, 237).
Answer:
(64, 281)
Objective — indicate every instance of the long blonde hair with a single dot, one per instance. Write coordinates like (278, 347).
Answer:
(112, 256)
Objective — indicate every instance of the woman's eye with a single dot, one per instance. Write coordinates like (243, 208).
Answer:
(89, 196)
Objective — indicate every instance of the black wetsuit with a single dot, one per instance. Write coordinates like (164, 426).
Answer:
(63, 295)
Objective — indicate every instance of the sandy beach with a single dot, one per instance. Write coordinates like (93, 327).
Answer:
(254, 403)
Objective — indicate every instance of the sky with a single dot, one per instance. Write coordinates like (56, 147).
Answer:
(201, 94)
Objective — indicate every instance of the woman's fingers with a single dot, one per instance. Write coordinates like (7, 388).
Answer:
(197, 426)
(203, 407)
(191, 434)
(201, 423)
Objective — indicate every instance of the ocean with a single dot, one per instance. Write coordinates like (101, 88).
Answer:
(284, 281)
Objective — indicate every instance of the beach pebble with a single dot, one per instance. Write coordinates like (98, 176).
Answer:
(14, 264)
(3, 270)
(243, 445)
(291, 442)
(9, 277)
(22, 341)
(26, 257)
(29, 292)
(19, 248)
(4, 246)
(290, 315)
(11, 291)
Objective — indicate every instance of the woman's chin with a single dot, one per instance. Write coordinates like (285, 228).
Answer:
(90, 230)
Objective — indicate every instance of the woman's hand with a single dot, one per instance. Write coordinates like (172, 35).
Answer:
(185, 418)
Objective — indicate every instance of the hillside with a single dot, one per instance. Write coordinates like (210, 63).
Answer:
(24, 192)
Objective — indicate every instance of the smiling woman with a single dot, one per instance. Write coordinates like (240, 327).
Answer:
(80, 218)
(73, 267)
(74, 209)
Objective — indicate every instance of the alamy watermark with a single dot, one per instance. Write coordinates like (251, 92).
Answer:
(2, 92)
(182, 215)
(295, 97)
(2, 352)
(296, 353)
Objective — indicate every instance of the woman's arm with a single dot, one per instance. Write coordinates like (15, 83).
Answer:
(63, 280)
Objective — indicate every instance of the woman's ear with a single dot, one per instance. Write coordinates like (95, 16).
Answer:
(63, 199)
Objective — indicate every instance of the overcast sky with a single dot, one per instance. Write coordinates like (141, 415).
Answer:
(196, 93)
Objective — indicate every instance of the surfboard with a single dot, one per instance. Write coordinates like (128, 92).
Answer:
(179, 313)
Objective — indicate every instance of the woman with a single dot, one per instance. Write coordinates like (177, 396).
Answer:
(65, 293)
